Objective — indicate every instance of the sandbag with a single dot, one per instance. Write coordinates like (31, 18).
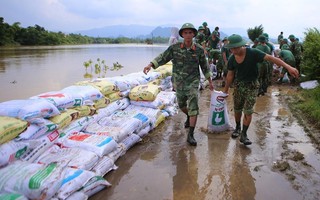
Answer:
(218, 119)
(144, 93)
(10, 128)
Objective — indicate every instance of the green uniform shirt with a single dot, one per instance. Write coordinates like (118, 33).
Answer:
(200, 38)
(247, 71)
(296, 49)
(185, 64)
(287, 57)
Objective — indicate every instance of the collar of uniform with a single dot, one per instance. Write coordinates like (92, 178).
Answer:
(193, 46)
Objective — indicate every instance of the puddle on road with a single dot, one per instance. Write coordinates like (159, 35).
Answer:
(164, 167)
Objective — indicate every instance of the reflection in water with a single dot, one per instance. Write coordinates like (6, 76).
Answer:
(185, 185)
(52, 68)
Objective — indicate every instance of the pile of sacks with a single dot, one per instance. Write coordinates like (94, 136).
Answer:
(60, 144)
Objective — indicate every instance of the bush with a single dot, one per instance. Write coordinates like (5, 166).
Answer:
(311, 54)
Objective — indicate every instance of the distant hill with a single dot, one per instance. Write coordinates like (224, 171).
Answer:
(140, 31)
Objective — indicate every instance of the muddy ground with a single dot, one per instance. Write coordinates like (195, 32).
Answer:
(282, 163)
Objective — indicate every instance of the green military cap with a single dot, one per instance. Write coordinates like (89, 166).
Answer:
(262, 38)
(235, 41)
(266, 35)
(292, 37)
(188, 26)
(200, 28)
(205, 24)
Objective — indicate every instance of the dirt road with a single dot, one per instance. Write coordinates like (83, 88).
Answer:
(282, 163)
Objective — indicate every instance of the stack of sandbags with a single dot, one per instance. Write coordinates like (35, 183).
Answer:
(80, 132)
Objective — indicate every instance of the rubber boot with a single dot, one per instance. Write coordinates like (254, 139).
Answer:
(236, 133)
(244, 139)
(191, 139)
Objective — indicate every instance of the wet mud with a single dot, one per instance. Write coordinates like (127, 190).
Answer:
(282, 162)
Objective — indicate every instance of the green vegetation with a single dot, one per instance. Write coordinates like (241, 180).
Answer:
(12, 35)
(255, 32)
(99, 67)
(311, 54)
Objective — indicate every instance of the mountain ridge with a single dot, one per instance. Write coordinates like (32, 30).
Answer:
(143, 31)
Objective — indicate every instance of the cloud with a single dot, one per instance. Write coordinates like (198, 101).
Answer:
(73, 15)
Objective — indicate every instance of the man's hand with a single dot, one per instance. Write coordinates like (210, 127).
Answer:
(147, 68)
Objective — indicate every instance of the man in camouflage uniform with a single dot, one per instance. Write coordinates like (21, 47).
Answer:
(297, 50)
(200, 37)
(243, 70)
(263, 66)
(207, 31)
(186, 57)
(270, 66)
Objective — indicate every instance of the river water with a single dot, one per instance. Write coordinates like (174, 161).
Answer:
(282, 162)
(28, 71)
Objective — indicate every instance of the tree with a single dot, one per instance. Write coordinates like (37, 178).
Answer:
(311, 54)
(255, 32)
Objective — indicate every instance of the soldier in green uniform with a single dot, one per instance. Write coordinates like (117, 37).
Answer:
(285, 45)
(207, 31)
(215, 57)
(243, 70)
(270, 66)
(263, 66)
(200, 37)
(287, 57)
(213, 41)
(225, 55)
(186, 57)
(297, 50)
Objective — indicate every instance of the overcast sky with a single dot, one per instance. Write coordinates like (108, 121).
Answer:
(289, 16)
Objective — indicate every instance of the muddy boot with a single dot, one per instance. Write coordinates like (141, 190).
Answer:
(191, 139)
(236, 133)
(187, 123)
(244, 139)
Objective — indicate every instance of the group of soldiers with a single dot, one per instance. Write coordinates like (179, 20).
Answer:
(289, 52)
(214, 49)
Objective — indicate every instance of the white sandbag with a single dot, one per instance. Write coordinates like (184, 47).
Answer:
(29, 109)
(83, 95)
(112, 107)
(57, 98)
(143, 132)
(74, 180)
(131, 124)
(218, 119)
(35, 181)
(39, 146)
(12, 196)
(11, 151)
(99, 144)
(76, 126)
(120, 82)
(72, 157)
(130, 141)
(103, 166)
(117, 153)
(117, 133)
(309, 84)
(34, 131)
(95, 185)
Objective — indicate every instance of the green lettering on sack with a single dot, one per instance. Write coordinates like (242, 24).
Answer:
(40, 176)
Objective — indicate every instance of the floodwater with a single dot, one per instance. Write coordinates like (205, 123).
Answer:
(282, 163)
(164, 167)
(29, 71)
